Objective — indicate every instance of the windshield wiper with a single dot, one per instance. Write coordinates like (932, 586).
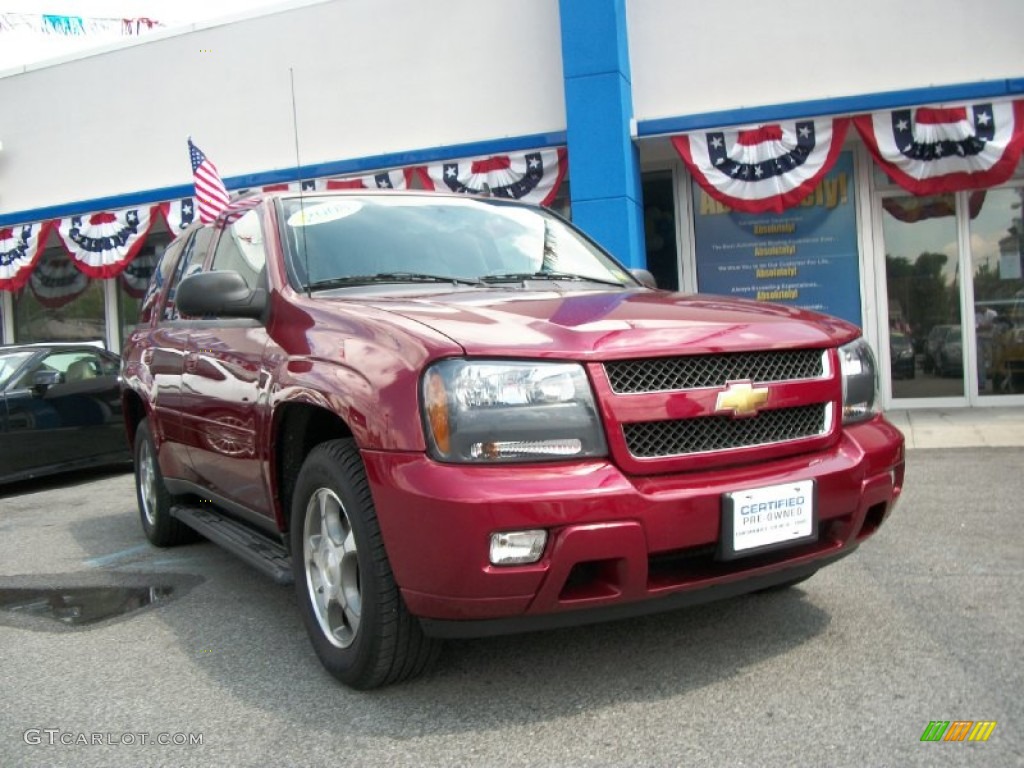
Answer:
(515, 277)
(388, 277)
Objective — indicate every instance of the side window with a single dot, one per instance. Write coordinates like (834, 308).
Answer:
(161, 275)
(78, 365)
(191, 261)
(240, 249)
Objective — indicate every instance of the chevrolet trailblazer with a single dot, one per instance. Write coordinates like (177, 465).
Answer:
(445, 416)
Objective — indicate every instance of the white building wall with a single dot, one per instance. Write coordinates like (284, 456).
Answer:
(372, 77)
(692, 57)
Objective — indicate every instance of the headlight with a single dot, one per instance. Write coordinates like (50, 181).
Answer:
(860, 382)
(496, 412)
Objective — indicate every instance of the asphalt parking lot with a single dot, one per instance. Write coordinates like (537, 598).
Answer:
(923, 623)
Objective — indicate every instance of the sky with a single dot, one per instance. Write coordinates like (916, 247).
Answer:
(21, 46)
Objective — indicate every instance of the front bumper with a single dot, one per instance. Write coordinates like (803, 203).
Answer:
(617, 545)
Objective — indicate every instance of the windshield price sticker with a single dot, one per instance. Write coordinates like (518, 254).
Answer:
(761, 517)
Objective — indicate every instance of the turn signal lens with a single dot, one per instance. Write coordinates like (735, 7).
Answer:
(860, 381)
(437, 413)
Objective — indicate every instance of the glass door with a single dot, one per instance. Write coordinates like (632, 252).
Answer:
(954, 290)
(924, 334)
(997, 259)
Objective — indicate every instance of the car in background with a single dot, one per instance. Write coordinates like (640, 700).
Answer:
(933, 344)
(901, 356)
(949, 354)
(60, 410)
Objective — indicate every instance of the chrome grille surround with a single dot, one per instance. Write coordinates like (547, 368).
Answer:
(671, 374)
(707, 434)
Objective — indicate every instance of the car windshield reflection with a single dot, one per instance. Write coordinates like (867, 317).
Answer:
(337, 242)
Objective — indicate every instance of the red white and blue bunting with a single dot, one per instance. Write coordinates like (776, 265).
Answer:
(532, 176)
(56, 281)
(178, 215)
(136, 275)
(394, 179)
(74, 26)
(768, 168)
(929, 150)
(20, 247)
(397, 179)
(103, 244)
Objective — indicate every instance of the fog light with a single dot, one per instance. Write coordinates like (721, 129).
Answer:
(517, 547)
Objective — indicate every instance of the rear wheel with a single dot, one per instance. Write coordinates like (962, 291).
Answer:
(154, 500)
(351, 606)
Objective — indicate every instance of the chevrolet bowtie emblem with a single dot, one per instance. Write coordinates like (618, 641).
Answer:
(741, 398)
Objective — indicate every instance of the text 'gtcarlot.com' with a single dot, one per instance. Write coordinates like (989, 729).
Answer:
(55, 736)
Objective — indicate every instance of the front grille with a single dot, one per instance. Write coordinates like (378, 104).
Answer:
(667, 374)
(682, 437)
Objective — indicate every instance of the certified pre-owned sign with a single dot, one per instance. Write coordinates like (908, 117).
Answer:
(759, 519)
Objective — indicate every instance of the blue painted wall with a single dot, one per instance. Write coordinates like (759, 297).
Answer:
(604, 163)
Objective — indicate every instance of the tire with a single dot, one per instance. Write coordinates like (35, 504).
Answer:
(354, 614)
(787, 584)
(153, 498)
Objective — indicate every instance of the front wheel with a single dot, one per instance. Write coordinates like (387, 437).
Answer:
(351, 606)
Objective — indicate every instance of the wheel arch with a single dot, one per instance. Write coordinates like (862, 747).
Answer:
(298, 427)
(133, 407)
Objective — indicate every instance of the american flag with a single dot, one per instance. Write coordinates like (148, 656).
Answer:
(210, 192)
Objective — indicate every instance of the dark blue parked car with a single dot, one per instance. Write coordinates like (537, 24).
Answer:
(60, 409)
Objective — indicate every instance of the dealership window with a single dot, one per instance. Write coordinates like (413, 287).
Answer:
(922, 274)
(997, 306)
(954, 287)
(59, 303)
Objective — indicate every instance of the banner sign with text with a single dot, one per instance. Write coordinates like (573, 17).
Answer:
(805, 257)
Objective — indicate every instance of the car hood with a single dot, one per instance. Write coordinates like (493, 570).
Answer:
(613, 324)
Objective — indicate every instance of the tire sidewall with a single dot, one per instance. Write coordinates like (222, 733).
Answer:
(347, 664)
(143, 438)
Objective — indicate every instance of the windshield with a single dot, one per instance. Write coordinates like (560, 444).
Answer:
(338, 241)
(9, 363)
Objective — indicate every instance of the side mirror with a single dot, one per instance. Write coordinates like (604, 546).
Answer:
(645, 277)
(219, 294)
(43, 380)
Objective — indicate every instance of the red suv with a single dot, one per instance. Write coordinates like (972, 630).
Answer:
(454, 417)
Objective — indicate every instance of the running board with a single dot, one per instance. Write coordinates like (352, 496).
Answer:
(257, 550)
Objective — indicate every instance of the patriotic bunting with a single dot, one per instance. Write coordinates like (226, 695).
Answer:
(102, 245)
(56, 282)
(396, 179)
(178, 215)
(770, 168)
(136, 275)
(529, 176)
(929, 150)
(75, 26)
(20, 248)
